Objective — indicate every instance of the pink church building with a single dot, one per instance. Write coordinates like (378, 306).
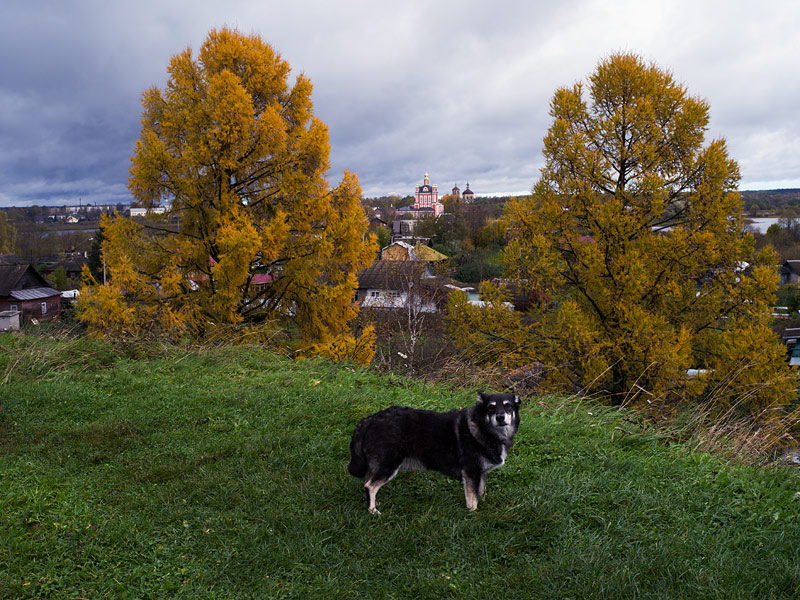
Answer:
(426, 200)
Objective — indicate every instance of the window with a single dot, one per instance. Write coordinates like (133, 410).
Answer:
(44, 308)
(14, 307)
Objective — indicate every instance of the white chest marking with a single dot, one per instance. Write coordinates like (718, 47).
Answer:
(490, 466)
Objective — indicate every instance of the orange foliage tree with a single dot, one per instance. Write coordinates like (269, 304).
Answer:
(243, 225)
(633, 251)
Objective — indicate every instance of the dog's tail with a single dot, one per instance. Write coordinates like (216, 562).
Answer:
(358, 466)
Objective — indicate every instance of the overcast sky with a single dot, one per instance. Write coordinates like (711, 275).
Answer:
(459, 89)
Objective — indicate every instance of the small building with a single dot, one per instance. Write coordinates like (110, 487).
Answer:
(379, 214)
(398, 251)
(790, 336)
(376, 222)
(405, 230)
(73, 264)
(405, 251)
(139, 212)
(260, 281)
(790, 272)
(388, 284)
(9, 320)
(23, 289)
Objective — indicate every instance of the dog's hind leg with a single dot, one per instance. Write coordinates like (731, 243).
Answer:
(371, 488)
(482, 486)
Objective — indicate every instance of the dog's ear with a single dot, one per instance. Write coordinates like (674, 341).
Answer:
(517, 401)
(481, 397)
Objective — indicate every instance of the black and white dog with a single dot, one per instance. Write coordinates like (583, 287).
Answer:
(464, 444)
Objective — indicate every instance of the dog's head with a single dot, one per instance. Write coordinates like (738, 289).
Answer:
(499, 411)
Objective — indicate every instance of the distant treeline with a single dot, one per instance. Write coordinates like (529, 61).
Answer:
(771, 200)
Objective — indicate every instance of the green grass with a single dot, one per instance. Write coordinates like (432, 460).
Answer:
(221, 474)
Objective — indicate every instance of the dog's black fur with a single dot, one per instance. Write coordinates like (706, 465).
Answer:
(463, 444)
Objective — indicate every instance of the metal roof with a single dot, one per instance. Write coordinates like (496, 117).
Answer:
(34, 293)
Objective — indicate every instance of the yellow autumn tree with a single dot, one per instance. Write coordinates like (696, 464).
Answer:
(632, 252)
(243, 225)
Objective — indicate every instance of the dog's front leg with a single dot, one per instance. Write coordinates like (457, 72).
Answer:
(482, 486)
(471, 484)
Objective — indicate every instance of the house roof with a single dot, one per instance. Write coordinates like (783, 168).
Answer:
(791, 266)
(425, 252)
(410, 253)
(792, 333)
(419, 251)
(9, 276)
(390, 274)
(14, 277)
(34, 293)
(10, 259)
(261, 278)
(73, 263)
(411, 209)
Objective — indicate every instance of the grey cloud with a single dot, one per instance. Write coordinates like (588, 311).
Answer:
(458, 89)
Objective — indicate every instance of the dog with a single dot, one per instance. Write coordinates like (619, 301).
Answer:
(463, 444)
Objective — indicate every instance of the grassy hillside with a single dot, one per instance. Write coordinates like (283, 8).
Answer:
(221, 474)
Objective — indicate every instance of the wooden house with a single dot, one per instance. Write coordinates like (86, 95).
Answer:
(790, 272)
(392, 284)
(23, 289)
(405, 251)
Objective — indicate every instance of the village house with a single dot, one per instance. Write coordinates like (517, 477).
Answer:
(790, 338)
(376, 218)
(72, 264)
(144, 212)
(23, 289)
(403, 230)
(405, 251)
(790, 272)
(389, 284)
(401, 283)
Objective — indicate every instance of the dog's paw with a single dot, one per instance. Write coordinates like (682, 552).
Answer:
(374, 511)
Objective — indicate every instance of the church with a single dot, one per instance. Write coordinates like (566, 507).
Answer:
(467, 197)
(426, 202)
